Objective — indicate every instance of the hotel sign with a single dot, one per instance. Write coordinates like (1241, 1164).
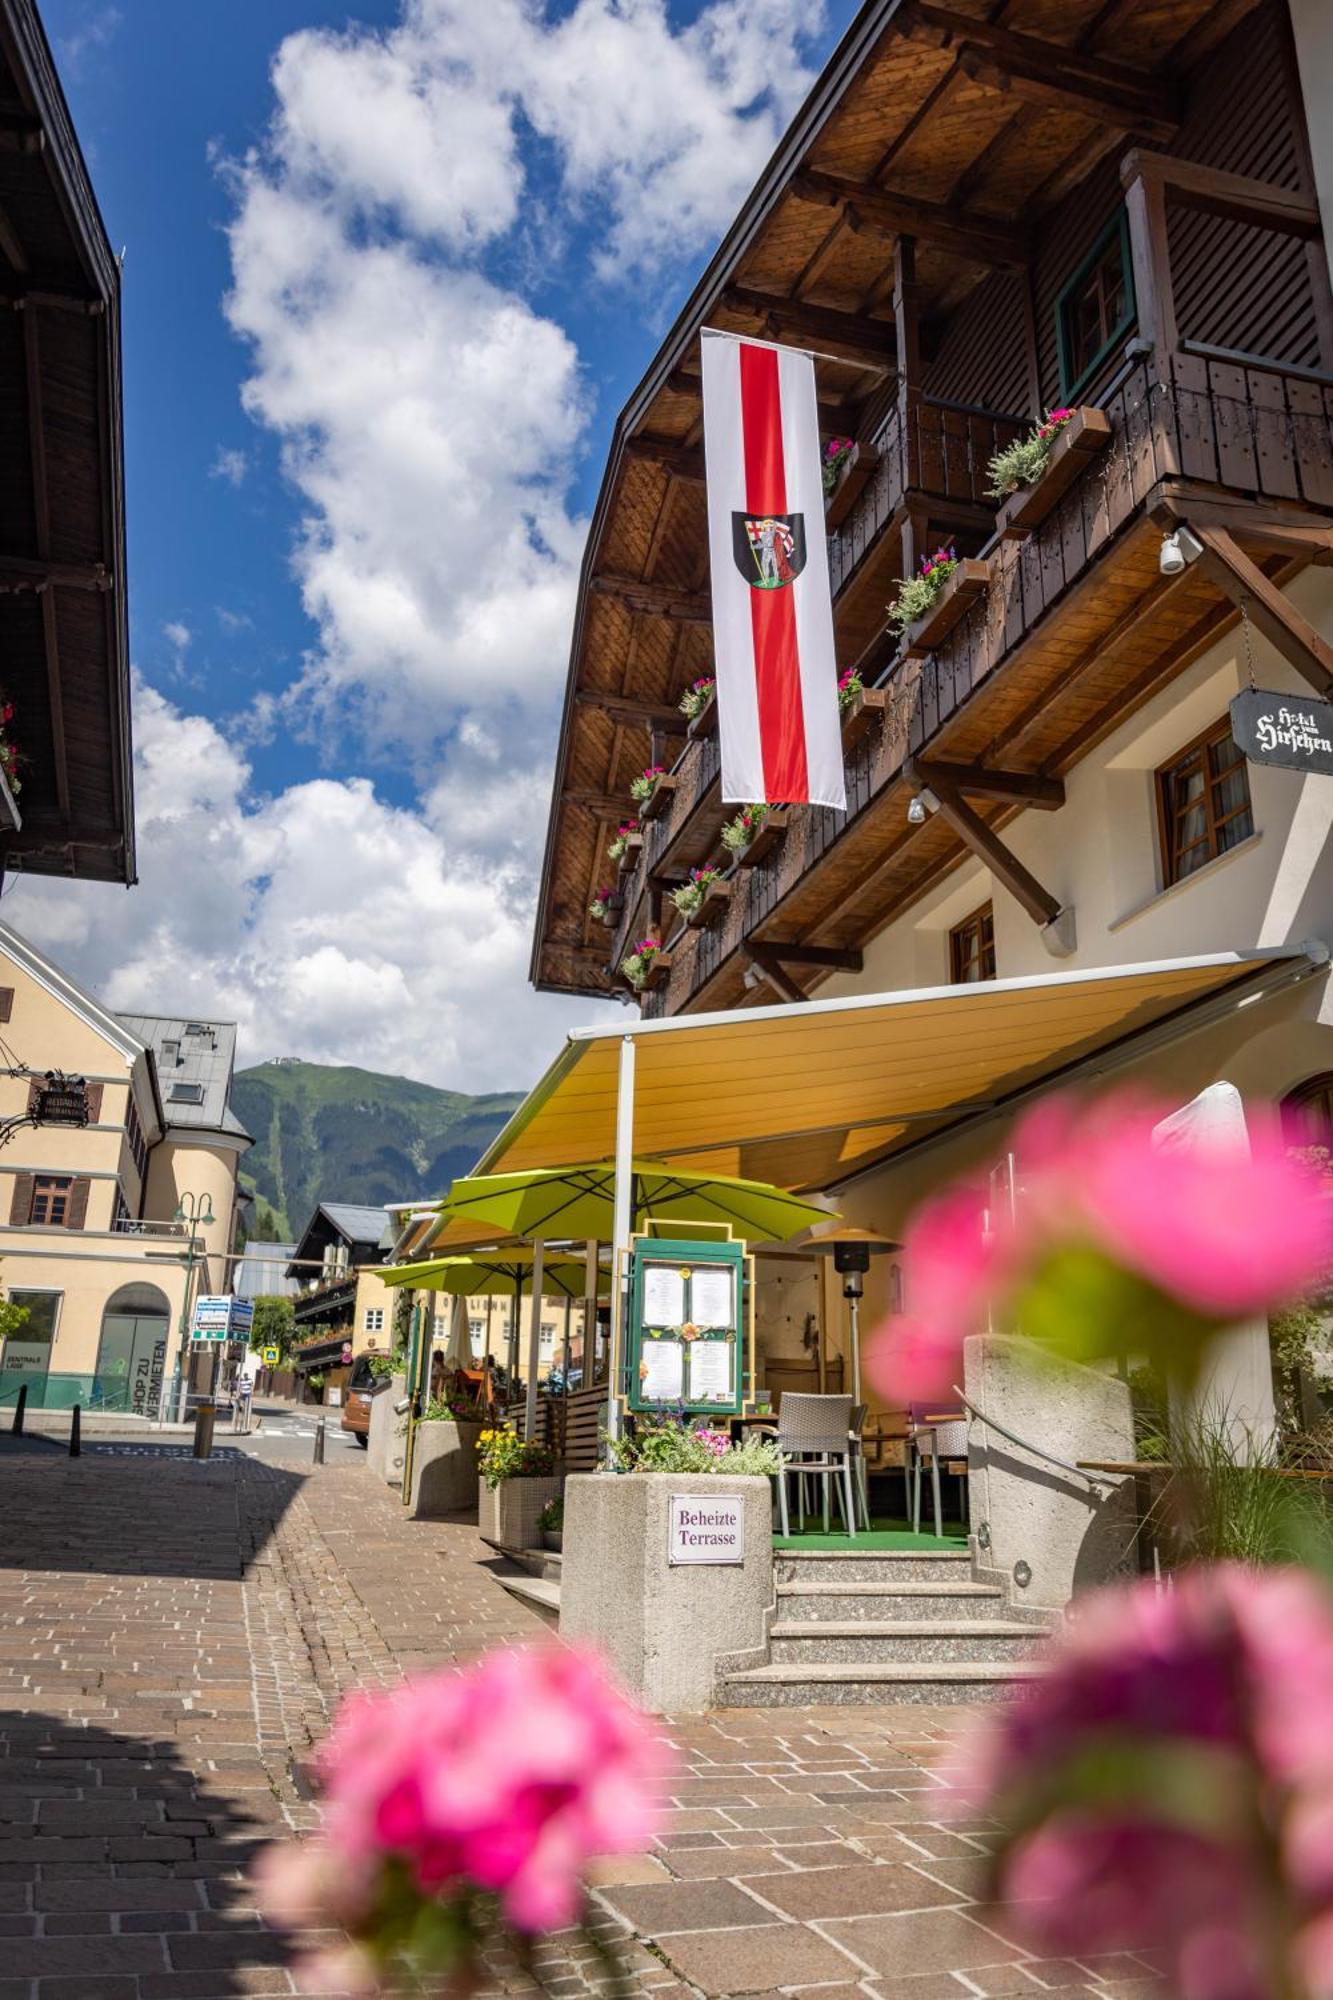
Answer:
(1284, 729)
(707, 1530)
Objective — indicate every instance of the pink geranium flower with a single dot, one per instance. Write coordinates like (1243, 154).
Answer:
(1217, 1234)
(505, 1779)
(1161, 1792)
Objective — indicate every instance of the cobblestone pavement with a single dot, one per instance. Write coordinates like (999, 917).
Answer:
(173, 1639)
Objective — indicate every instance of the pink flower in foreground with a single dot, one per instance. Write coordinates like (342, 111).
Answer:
(1218, 1232)
(1159, 1791)
(506, 1778)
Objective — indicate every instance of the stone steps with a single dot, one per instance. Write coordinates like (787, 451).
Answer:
(879, 1601)
(798, 1643)
(538, 1592)
(824, 1683)
(853, 1565)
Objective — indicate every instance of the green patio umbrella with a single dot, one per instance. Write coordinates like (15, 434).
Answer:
(578, 1203)
(502, 1274)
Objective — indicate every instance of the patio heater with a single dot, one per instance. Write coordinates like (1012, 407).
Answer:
(851, 1250)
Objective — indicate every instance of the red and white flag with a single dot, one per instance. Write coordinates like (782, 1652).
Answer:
(777, 680)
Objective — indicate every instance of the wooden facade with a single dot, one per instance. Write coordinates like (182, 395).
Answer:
(64, 647)
(1025, 147)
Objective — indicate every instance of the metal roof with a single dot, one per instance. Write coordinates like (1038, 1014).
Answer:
(262, 1271)
(358, 1225)
(194, 1060)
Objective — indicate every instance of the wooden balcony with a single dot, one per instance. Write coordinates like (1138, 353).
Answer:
(1075, 629)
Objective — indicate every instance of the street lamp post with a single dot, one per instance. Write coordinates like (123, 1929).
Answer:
(196, 1211)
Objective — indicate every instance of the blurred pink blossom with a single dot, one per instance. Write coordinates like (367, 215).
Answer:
(1167, 1781)
(507, 1777)
(1222, 1232)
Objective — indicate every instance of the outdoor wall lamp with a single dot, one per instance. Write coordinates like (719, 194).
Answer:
(195, 1209)
(922, 805)
(1179, 549)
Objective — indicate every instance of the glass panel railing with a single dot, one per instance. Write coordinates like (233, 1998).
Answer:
(62, 1392)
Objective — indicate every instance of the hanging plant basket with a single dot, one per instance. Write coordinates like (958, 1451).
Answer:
(1077, 443)
(865, 709)
(659, 799)
(769, 835)
(968, 582)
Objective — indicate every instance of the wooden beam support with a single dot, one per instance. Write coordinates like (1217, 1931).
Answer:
(1014, 788)
(1006, 867)
(632, 712)
(1237, 197)
(868, 342)
(27, 573)
(884, 213)
(760, 956)
(685, 461)
(41, 512)
(1286, 529)
(1047, 73)
(1269, 608)
(835, 419)
(827, 956)
(653, 600)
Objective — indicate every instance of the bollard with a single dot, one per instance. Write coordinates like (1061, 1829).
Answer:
(75, 1437)
(19, 1408)
(203, 1429)
(319, 1442)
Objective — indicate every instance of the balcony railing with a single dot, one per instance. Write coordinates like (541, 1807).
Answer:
(129, 1225)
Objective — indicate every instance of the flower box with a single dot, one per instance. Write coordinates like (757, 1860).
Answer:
(657, 975)
(705, 722)
(509, 1515)
(659, 799)
(629, 860)
(770, 833)
(964, 587)
(715, 899)
(857, 468)
(10, 815)
(1079, 441)
(860, 715)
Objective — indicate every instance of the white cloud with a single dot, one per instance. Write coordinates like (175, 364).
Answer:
(96, 28)
(400, 240)
(322, 920)
(179, 635)
(230, 464)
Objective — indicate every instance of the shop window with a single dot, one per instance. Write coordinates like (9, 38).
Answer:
(1096, 308)
(972, 947)
(374, 1320)
(27, 1354)
(1307, 1113)
(1203, 799)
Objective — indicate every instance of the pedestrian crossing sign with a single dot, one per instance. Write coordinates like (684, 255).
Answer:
(272, 1356)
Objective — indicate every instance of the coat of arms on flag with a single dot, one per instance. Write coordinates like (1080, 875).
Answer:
(773, 659)
(769, 549)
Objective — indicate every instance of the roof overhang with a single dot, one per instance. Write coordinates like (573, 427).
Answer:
(807, 1096)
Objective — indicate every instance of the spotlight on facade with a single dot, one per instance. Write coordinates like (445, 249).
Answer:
(1179, 549)
(916, 811)
(753, 977)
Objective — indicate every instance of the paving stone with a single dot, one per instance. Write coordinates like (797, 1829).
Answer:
(868, 1890)
(927, 1940)
(686, 1906)
(752, 1960)
(694, 1863)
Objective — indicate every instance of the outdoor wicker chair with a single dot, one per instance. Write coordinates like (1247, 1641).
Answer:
(814, 1437)
(933, 1435)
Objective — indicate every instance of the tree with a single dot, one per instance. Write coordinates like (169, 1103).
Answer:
(272, 1326)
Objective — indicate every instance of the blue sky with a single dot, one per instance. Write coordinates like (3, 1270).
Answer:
(388, 277)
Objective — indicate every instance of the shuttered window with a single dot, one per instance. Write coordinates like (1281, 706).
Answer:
(49, 1201)
(972, 948)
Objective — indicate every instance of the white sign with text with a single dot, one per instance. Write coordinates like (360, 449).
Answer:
(706, 1530)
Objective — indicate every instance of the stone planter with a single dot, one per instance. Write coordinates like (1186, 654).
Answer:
(388, 1432)
(553, 1539)
(508, 1515)
(664, 1628)
(444, 1468)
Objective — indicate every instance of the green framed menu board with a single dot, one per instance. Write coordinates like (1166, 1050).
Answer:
(689, 1325)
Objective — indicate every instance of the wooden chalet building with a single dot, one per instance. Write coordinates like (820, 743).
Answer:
(64, 651)
(985, 210)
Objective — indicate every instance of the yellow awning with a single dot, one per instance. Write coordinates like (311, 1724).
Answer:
(805, 1096)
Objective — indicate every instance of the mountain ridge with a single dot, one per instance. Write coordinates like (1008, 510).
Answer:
(335, 1132)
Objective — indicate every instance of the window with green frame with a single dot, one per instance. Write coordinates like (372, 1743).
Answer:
(1096, 308)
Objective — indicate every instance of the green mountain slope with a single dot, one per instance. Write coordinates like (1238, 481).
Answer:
(334, 1134)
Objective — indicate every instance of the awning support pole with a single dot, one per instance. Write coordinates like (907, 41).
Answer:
(534, 1339)
(623, 1223)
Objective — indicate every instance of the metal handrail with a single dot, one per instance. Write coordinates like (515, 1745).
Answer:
(1026, 1444)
